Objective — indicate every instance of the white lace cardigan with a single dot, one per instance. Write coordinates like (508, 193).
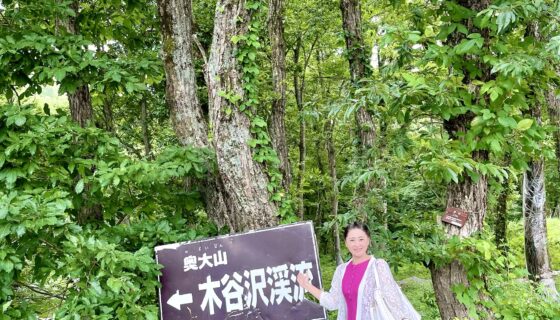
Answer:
(398, 304)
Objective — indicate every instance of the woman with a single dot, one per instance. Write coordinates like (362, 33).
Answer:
(353, 283)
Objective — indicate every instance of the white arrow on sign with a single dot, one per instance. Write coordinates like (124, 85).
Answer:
(177, 300)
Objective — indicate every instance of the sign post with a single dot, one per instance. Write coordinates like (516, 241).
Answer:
(250, 275)
(455, 216)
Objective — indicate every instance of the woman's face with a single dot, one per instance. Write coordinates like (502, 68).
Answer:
(357, 242)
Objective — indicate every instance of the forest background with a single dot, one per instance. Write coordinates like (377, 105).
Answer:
(125, 124)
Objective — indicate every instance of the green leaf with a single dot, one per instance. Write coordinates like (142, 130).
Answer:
(6, 305)
(507, 122)
(79, 186)
(116, 77)
(59, 74)
(259, 122)
(115, 284)
(20, 120)
(129, 86)
(524, 124)
(116, 181)
(252, 55)
(3, 212)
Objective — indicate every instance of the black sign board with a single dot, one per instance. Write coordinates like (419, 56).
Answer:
(242, 276)
(455, 216)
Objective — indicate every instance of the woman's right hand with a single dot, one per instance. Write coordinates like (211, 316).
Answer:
(303, 280)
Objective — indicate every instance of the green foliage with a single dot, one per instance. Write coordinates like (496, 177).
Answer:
(517, 244)
(435, 67)
(95, 269)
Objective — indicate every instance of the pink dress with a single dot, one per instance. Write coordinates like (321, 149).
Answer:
(350, 285)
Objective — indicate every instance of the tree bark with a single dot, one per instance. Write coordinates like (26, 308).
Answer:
(329, 128)
(357, 58)
(244, 180)
(298, 89)
(554, 113)
(534, 211)
(471, 197)
(467, 194)
(536, 250)
(81, 111)
(352, 26)
(534, 200)
(277, 124)
(108, 114)
(187, 116)
(80, 106)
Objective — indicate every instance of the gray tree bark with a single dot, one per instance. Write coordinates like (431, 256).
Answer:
(244, 180)
(471, 197)
(298, 89)
(277, 124)
(554, 113)
(358, 61)
(534, 200)
(357, 58)
(187, 116)
(467, 195)
(534, 211)
(536, 244)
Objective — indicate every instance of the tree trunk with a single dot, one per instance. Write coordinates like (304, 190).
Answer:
(471, 197)
(554, 113)
(108, 114)
(536, 250)
(81, 111)
(534, 211)
(500, 229)
(357, 58)
(80, 106)
(186, 113)
(244, 180)
(329, 128)
(534, 200)
(467, 195)
(298, 89)
(277, 125)
(352, 26)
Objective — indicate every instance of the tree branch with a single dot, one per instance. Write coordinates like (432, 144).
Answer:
(203, 54)
(40, 290)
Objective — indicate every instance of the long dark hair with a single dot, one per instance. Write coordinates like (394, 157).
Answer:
(356, 225)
